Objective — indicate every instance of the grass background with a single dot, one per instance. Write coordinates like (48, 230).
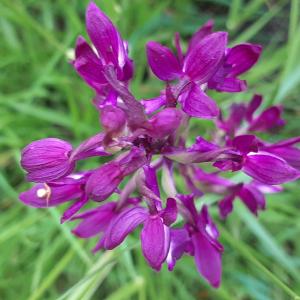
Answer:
(41, 96)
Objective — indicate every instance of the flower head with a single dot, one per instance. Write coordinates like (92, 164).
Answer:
(149, 149)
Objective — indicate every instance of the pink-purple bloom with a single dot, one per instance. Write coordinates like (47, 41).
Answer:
(150, 139)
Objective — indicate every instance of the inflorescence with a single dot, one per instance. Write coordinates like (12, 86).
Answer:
(146, 139)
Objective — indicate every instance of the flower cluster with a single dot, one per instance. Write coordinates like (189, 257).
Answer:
(146, 140)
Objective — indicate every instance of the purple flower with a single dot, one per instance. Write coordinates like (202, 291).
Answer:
(111, 49)
(250, 195)
(203, 60)
(153, 104)
(200, 240)
(113, 119)
(268, 119)
(164, 64)
(52, 194)
(150, 139)
(237, 61)
(105, 180)
(269, 169)
(95, 222)
(92, 146)
(234, 120)
(202, 32)
(287, 151)
(260, 165)
(164, 122)
(199, 65)
(47, 160)
(88, 65)
(197, 104)
(155, 236)
(108, 42)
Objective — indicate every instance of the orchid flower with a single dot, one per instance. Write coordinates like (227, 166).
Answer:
(149, 140)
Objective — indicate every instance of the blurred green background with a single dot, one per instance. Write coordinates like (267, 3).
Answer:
(41, 96)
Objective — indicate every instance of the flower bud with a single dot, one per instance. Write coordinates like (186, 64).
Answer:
(113, 119)
(47, 160)
(104, 181)
(165, 122)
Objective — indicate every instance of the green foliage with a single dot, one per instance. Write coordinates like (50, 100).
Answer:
(41, 96)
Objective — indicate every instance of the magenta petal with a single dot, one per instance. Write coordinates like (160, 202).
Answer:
(104, 36)
(151, 180)
(202, 145)
(253, 198)
(197, 104)
(46, 195)
(269, 169)
(153, 104)
(287, 142)
(208, 228)
(230, 85)
(103, 182)
(92, 146)
(99, 245)
(226, 205)
(242, 57)
(268, 119)
(165, 122)
(94, 220)
(203, 31)
(290, 154)
(128, 70)
(106, 97)
(203, 60)
(88, 65)
(162, 61)
(245, 143)
(113, 119)
(131, 162)
(155, 238)
(179, 241)
(253, 106)
(169, 214)
(74, 208)
(189, 204)
(208, 259)
(123, 224)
